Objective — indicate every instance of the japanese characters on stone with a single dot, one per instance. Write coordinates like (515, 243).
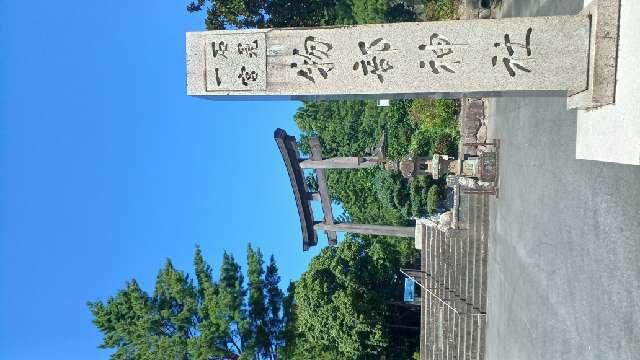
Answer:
(441, 54)
(250, 50)
(219, 48)
(236, 62)
(402, 60)
(313, 60)
(373, 61)
(517, 54)
(246, 76)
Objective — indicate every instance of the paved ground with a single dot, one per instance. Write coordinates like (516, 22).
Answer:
(564, 246)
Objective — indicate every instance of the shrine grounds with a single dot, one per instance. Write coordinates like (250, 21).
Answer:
(564, 249)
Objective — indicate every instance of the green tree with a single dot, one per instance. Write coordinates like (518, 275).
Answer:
(231, 13)
(257, 302)
(353, 127)
(348, 128)
(176, 303)
(221, 14)
(229, 310)
(369, 11)
(393, 191)
(127, 321)
(433, 199)
(213, 326)
(343, 299)
(412, 127)
(204, 320)
(308, 13)
(288, 333)
(275, 316)
(441, 9)
(437, 127)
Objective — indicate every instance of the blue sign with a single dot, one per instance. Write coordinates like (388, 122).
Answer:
(409, 289)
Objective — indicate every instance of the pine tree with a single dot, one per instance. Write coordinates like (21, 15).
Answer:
(288, 334)
(275, 298)
(127, 321)
(206, 320)
(256, 302)
(176, 303)
(229, 308)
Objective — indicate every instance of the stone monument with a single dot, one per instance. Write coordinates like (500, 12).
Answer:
(515, 56)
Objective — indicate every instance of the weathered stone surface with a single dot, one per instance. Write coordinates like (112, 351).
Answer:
(605, 27)
(484, 14)
(482, 133)
(445, 219)
(394, 60)
(488, 167)
(451, 180)
(420, 234)
(471, 119)
(234, 62)
(621, 122)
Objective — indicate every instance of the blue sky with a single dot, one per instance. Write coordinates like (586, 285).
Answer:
(107, 167)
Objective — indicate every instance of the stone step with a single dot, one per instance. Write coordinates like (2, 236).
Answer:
(455, 263)
(454, 267)
(484, 237)
(476, 201)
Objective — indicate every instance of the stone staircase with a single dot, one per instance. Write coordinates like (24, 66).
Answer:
(454, 265)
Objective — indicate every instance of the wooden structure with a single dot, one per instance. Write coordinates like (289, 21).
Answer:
(295, 168)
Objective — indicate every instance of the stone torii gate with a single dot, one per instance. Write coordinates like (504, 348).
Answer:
(303, 197)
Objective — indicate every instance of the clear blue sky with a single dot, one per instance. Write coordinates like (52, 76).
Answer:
(107, 167)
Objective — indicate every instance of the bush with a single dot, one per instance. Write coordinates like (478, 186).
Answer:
(408, 198)
(433, 199)
(441, 9)
(419, 188)
(429, 112)
(399, 13)
(437, 124)
(350, 128)
(393, 191)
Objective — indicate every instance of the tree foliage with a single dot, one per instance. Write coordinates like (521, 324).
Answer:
(435, 10)
(436, 127)
(343, 303)
(433, 199)
(342, 306)
(275, 318)
(349, 128)
(221, 14)
(202, 320)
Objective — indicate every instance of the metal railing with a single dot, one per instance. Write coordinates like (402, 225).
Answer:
(443, 301)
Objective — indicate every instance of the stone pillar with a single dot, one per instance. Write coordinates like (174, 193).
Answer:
(523, 56)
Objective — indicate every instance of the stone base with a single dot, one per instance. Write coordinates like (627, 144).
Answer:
(603, 57)
(612, 133)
